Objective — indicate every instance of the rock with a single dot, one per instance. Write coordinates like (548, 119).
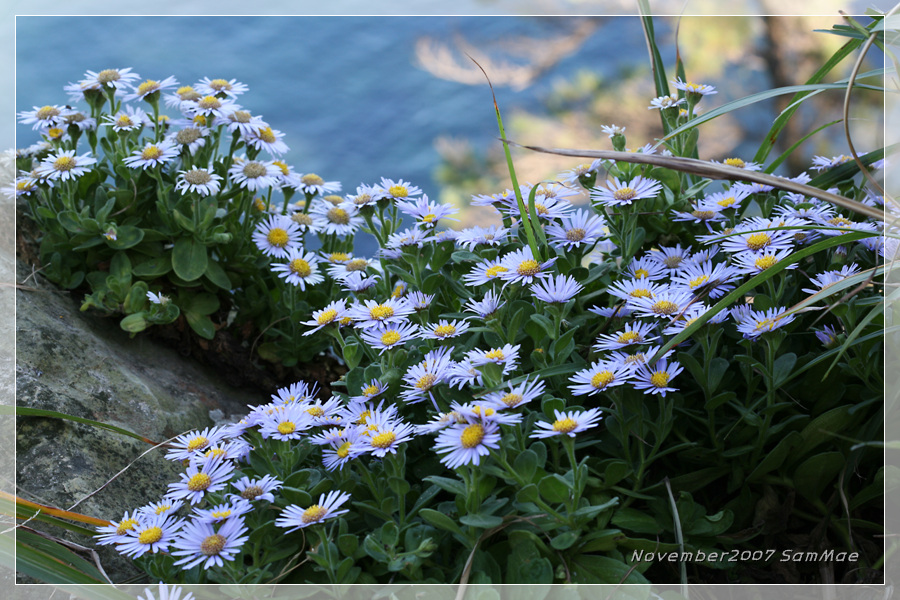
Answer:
(85, 365)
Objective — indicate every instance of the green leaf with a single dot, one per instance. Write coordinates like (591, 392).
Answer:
(440, 520)
(545, 324)
(203, 304)
(481, 521)
(70, 221)
(601, 541)
(201, 324)
(563, 347)
(155, 267)
(634, 520)
(816, 472)
(776, 457)
(525, 565)
(554, 488)
(216, 274)
(526, 464)
(189, 259)
(183, 221)
(23, 411)
(529, 493)
(134, 323)
(348, 544)
(48, 561)
(565, 540)
(783, 367)
(590, 568)
(454, 486)
(126, 237)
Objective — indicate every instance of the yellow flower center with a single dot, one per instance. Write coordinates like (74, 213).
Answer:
(471, 436)
(162, 508)
(253, 170)
(602, 379)
(390, 337)
(494, 271)
(327, 317)
(495, 355)
(212, 545)
(209, 102)
(188, 136)
(221, 514)
(199, 177)
(444, 330)
(629, 337)
(381, 312)
(125, 526)
(368, 391)
(357, 264)
(286, 427)
(362, 199)
(198, 443)
(64, 163)
(151, 153)
(640, 293)
(54, 133)
(300, 267)
(735, 162)
(267, 135)
(242, 116)
(564, 425)
(398, 291)
(46, 113)
(199, 482)
(764, 262)
(316, 411)
(311, 179)
(664, 307)
(343, 450)
(313, 514)
(839, 221)
(383, 440)
(337, 257)
(339, 216)
(698, 281)
(486, 412)
(215, 452)
(398, 191)
(301, 219)
(641, 273)
(426, 381)
(151, 535)
(186, 92)
(758, 240)
(147, 87)
(428, 218)
(512, 399)
(659, 379)
(703, 214)
(528, 268)
(672, 261)
(635, 358)
(626, 193)
(277, 237)
(727, 202)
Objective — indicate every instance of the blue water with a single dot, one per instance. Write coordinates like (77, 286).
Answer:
(345, 90)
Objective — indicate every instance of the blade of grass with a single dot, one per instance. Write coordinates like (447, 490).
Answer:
(876, 310)
(49, 562)
(24, 411)
(656, 62)
(21, 508)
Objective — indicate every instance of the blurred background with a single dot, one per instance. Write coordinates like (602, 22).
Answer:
(362, 98)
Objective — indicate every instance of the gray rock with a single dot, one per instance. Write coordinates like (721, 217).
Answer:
(85, 365)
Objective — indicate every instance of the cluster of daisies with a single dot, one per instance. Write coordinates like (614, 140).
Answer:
(207, 110)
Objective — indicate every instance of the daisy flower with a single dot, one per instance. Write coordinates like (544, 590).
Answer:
(618, 193)
(370, 313)
(755, 323)
(152, 533)
(484, 272)
(707, 213)
(374, 389)
(256, 489)
(148, 87)
(235, 449)
(612, 130)
(521, 267)
(64, 165)
(517, 395)
(636, 359)
(163, 507)
(223, 512)
(407, 238)
(189, 138)
(191, 444)
(506, 356)
(314, 185)
(342, 220)
(116, 532)
(556, 290)
(202, 181)
(694, 312)
(357, 282)
(129, 119)
(820, 163)
(231, 88)
(254, 175)
(731, 198)
(296, 517)
(386, 432)
(421, 377)
(626, 289)
(419, 300)
(301, 269)
(464, 373)
(656, 379)
(464, 444)
(200, 544)
(45, 116)
(288, 422)
(583, 228)
(332, 313)
(110, 78)
(151, 155)
(567, 423)
(582, 174)
(201, 478)
(739, 164)
(165, 593)
(366, 195)
(633, 334)
(646, 268)
(342, 450)
(752, 263)
(670, 258)
(443, 329)
(341, 270)
(485, 412)
(487, 306)
(265, 138)
(425, 212)
(694, 89)
(664, 102)
(828, 337)
(666, 303)
(387, 336)
(757, 241)
(79, 120)
(276, 236)
(300, 391)
(396, 190)
(715, 279)
(599, 377)
(244, 122)
(476, 236)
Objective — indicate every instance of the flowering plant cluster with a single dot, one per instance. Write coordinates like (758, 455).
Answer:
(630, 359)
